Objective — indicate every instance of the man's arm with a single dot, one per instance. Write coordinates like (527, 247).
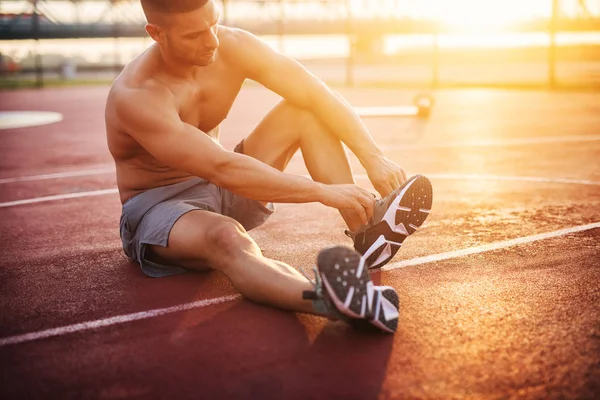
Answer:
(288, 78)
(151, 119)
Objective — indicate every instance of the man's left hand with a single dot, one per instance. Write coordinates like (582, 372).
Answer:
(385, 175)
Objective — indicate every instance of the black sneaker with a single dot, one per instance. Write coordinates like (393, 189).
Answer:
(385, 300)
(345, 285)
(395, 218)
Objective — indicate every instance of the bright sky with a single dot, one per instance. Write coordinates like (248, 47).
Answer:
(474, 17)
(483, 14)
(459, 13)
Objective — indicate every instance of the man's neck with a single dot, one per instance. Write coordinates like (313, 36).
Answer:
(178, 69)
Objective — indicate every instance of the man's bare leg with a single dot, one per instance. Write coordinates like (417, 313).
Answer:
(288, 128)
(201, 238)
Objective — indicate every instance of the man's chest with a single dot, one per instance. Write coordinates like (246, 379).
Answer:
(206, 106)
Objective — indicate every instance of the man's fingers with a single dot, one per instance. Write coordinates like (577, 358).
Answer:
(358, 207)
(404, 178)
(396, 181)
(399, 179)
(367, 203)
(368, 207)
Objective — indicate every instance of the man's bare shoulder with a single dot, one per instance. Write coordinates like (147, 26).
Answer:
(129, 97)
(138, 81)
(122, 93)
(230, 34)
(235, 41)
(248, 54)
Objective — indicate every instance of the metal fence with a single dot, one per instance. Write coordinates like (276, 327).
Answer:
(364, 30)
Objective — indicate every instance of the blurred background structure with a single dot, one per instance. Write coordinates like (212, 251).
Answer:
(405, 43)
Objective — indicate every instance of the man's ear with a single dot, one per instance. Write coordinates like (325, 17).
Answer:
(154, 31)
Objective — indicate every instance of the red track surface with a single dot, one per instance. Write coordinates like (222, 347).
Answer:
(520, 321)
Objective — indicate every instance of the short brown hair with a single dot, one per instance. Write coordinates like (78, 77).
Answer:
(171, 6)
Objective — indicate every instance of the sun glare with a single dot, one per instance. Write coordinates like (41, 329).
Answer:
(485, 14)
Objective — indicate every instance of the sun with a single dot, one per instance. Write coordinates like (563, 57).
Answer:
(485, 14)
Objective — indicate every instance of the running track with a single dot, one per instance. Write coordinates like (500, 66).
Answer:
(499, 289)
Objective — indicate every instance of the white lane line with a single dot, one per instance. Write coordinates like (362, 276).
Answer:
(387, 111)
(489, 247)
(23, 119)
(482, 177)
(513, 178)
(120, 319)
(485, 143)
(357, 176)
(59, 197)
(498, 143)
(58, 175)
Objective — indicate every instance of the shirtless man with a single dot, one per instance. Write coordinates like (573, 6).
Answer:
(188, 202)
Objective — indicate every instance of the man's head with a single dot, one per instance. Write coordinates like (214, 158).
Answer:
(185, 30)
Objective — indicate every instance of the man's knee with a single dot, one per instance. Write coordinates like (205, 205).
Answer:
(229, 240)
(304, 119)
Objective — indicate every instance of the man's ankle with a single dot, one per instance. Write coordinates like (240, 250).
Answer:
(326, 310)
(352, 221)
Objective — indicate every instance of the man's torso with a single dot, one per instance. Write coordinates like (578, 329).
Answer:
(204, 103)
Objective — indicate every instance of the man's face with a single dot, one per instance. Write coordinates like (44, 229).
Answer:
(192, 37)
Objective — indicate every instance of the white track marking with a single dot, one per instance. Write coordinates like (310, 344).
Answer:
(489, 143)
(108, 170)
(499, 143)
(120, 319)
(513, 178)
(387, 111)
(500, 178)
(23, 119)
(358, 176)
(58, 197)
(64, 330)
(489, 247)
(58, 175)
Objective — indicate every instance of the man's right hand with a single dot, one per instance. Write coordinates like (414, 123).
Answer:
(349, 197)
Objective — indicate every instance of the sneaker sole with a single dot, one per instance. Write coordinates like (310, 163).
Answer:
(406, 213)
(346, 280)
(386, 306)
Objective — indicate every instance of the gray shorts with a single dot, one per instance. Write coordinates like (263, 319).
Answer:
(148, 217)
